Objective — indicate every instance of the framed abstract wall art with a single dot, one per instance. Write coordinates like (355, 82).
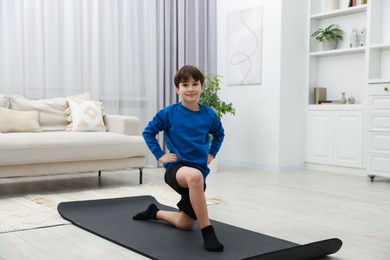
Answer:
(244, 39)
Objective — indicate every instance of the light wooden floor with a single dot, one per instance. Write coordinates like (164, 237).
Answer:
(299, 206)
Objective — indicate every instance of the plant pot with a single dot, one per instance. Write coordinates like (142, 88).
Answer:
(328, 45)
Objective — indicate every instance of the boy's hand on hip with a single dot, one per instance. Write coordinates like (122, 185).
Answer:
(168, 157)
(209, 159)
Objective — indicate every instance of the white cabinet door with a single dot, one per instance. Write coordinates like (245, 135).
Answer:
(335, 137)
(348, 143)
(378, 165)
(379, 134)
(319, 139)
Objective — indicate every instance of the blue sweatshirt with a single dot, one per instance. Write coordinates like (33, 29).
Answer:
(186, 134)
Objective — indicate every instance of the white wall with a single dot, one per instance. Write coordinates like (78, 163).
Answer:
(293, 83)
(264, 134)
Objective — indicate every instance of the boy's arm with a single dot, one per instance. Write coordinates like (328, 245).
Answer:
(218, 134)
(152, 129)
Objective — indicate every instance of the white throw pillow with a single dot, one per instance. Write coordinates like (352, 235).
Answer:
(3, 100)
(19, 121)
(85, 116)
(52, 116)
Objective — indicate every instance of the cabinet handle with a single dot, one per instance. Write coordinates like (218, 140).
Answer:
(386, 89)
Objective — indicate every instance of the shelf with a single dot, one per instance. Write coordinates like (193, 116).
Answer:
(342, 107)
(350, 10)
(380, 46)
(378, 81)
(338, 52)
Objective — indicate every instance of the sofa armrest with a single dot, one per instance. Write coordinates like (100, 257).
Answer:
(128, 125)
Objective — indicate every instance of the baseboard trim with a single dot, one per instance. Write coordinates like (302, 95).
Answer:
(336, 169)
(266, 167)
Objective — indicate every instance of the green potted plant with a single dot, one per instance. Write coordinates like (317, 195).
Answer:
(210, 97)
(328, 36)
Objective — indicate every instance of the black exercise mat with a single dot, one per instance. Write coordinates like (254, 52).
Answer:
(112, 220)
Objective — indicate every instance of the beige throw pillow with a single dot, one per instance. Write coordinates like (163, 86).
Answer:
(3, 101)
(19, 121)
(85, 116)
(52, 116)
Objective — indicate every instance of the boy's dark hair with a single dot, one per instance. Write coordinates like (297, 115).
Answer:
(186, 72)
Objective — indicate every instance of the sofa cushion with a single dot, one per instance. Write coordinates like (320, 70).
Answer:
(85, 116)
(18, 121)
(51, 147)
(52, 116)
(3, 100)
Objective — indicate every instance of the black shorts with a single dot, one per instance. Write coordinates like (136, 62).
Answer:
(184, 204)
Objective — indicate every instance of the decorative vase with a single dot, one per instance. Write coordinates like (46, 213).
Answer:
(343, 100)
(328, 45)
(331, 5)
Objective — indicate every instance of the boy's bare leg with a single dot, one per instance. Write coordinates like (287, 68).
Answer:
(177, 219)
(189, 178)
(192, 179)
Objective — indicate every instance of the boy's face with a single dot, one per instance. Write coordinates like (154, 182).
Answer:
(190, 91)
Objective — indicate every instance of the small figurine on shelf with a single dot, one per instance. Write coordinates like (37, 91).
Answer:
(352, 3)
(343, 100)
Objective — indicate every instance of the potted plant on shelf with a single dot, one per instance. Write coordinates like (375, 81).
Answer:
(328, 37)
(210, 98)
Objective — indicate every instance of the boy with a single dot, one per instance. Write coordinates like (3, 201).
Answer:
(186, 127)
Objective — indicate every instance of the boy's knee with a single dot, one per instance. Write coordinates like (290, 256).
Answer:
(184, 222)
(196, 178)
(185, 226)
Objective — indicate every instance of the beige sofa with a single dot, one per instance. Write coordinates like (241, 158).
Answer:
(33, 140)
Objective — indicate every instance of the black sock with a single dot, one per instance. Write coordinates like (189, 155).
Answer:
(149, 213)
(210, 240)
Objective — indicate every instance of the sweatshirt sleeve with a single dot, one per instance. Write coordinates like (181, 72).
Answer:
(218, 135)
(155, 126)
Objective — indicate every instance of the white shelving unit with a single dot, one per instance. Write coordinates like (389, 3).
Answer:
(334, 133)
(351, 136)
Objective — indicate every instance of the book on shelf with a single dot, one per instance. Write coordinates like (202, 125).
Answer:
(329, 102)
(319, 95)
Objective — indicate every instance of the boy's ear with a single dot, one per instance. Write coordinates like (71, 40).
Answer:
(177, 90)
